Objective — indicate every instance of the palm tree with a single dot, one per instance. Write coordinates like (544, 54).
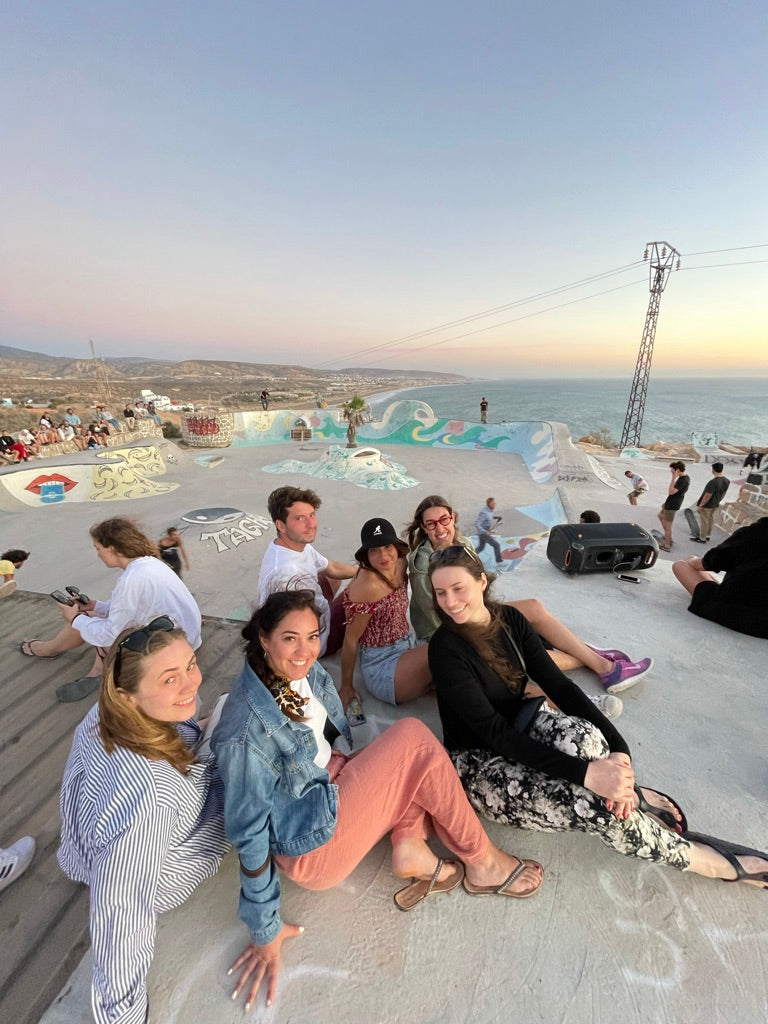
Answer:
(354, 414)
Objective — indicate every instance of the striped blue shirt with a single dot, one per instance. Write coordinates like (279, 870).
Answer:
(142, 836)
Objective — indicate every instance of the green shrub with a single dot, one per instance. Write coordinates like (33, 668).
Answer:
(170, 430)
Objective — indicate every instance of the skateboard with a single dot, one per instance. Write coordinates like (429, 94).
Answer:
(693, 522)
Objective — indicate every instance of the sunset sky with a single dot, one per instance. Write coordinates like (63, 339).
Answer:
(322, 183)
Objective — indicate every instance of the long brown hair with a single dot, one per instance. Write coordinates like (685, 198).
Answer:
(121, 722)
(124, 536)
(490, 641)
(264, 622)
(414, 533)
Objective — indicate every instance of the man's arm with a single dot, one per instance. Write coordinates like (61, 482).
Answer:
(706, 497)
(338, 571)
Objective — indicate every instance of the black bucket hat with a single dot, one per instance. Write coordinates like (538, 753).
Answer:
(378, 533)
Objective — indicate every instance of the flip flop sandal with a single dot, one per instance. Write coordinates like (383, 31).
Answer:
(731, 852)
(29, 653)
(503, 889)
(666, 817)
(417, 891)
(77, 689)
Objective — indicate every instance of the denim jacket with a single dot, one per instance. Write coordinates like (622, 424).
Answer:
(276, 799)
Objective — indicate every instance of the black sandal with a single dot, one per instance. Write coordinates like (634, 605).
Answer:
(666, 817)
(731, 852)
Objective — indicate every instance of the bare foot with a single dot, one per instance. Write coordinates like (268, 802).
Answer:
(412, 858)
(657, 799)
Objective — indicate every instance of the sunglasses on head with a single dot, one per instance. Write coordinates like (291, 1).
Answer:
(453, 553)
(138, 640)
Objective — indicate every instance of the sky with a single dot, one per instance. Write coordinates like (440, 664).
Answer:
(330, 183)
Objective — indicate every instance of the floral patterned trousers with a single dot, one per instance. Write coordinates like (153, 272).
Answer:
(514, 794)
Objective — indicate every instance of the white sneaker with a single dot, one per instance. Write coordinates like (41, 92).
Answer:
(15, 860)
(610, 706)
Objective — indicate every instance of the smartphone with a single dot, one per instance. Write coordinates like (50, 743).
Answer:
(62, 598)
(78, 596)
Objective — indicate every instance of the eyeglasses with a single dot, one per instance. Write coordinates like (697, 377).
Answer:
(453, 553)
(432, 524)
(137, 640)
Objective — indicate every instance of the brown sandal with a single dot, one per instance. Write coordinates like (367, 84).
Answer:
(418, 890)
(503, 889)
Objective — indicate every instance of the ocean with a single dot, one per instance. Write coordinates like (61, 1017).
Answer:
(733, 409)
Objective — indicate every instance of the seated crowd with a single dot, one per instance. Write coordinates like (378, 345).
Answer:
(32, 442)
(152, 797)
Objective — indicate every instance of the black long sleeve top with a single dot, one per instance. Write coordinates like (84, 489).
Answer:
(477, 708)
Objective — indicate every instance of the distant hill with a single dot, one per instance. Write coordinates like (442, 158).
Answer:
(59, 379)
(17, 360)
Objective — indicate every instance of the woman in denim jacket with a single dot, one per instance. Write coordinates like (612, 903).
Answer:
(294, 805)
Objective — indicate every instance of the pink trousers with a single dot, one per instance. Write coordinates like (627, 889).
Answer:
(403, 783)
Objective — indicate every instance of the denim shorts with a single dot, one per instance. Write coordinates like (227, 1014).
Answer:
(377, 665)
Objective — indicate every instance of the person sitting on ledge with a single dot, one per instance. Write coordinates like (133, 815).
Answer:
(296, 806)
(142, 809)
(562, 768)
(740, 602)
(146, 588)
(433, 527)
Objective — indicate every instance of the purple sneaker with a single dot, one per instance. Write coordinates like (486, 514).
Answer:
(611, 653)
(625, 674)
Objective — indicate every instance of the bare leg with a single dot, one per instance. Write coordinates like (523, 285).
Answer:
(632, 501)
(708, 862)
(690, 576)
(412, 858)
(570, 651)
(67, 639)
(666, 526)
(412, 675)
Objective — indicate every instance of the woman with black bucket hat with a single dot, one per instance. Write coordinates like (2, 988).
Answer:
(394, 668)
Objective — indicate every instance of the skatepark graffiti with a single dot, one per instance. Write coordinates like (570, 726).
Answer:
(235, 527)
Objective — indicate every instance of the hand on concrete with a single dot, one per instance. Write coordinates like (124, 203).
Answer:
(260, 962)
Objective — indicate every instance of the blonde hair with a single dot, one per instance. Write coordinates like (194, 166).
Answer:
(122, 723)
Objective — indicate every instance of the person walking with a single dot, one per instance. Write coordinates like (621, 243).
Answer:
(484, 524)
(483, 409)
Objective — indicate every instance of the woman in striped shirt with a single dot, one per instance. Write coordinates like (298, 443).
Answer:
(142, 819)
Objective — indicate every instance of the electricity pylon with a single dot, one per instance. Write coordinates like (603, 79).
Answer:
(663, 257)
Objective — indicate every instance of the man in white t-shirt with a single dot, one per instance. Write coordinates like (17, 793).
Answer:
(639, 486)
(291, 562)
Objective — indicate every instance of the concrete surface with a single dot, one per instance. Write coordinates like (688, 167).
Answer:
(607, 938)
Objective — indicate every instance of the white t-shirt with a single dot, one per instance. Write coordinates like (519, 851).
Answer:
(286, 569)
(638, 484)
(315, 717)
(146, 590)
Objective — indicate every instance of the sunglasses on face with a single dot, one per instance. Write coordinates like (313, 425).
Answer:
(432, 524)
(138, 640)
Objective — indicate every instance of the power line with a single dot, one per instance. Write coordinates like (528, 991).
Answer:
(593, 278)
(738, 248)
(490, 312)
(527, 316)
(738, 263)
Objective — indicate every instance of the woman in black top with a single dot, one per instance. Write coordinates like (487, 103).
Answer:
(563, 769)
